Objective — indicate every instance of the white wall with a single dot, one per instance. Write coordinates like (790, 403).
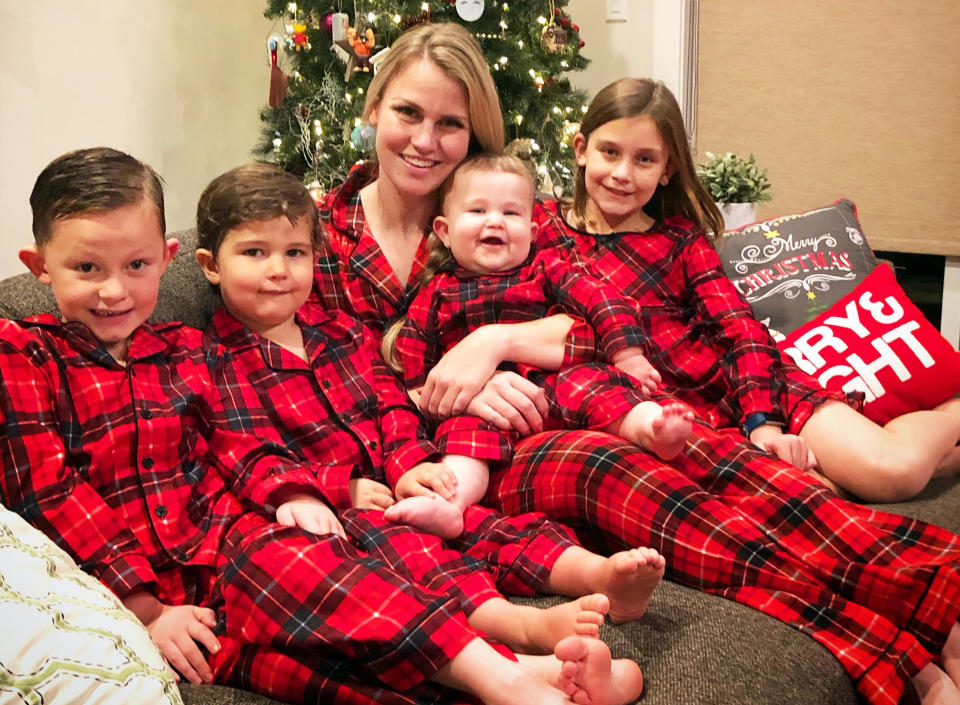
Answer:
(647, 45)
(176, 83)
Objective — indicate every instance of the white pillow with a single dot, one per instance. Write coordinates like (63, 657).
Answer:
(67, 639)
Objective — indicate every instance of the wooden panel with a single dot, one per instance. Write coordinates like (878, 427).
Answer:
(857, 99)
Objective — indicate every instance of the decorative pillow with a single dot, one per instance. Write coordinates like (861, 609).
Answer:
(876, 341)
(794, 267)
(68, 639)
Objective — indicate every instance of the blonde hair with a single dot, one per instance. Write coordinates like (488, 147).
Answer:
(457, 53)
(439, 257)
(683, 194)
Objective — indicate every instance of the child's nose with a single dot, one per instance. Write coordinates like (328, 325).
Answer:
(111, 289)
(277, 266)
(621, 170)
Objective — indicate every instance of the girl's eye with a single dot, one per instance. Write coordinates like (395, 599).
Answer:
(84, 267)
(137, 265)
(296, 252)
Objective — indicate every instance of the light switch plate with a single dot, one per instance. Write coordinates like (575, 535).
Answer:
(616, 10)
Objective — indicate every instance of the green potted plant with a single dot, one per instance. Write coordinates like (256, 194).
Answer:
(737, 185)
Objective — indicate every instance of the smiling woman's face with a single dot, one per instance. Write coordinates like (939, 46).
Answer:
(423, 128)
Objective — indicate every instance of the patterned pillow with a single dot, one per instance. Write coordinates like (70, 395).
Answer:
(793, 267)
(68, 639)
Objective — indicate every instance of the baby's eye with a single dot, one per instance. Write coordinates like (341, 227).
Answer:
(476, 209)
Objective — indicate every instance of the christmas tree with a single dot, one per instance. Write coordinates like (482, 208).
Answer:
(325, 53)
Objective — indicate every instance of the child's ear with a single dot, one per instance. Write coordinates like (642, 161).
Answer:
(580, 149)
(667, 174)
(441, 228)
(170, 248)
(33, 259)
(208, 263)
(534, 228)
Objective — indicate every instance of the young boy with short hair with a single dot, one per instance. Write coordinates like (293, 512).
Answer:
(225, 547)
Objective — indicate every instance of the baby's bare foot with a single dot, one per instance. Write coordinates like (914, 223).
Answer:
(669, 432)
(433, 515)
(629, 581)
(590, 677)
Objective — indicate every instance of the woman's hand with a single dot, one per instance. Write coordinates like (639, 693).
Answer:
(786, 446)
(461, 373)
(176, 630)
(310, 514)
(509, 401)
(634, 363)
(370, 494)
(425, 480)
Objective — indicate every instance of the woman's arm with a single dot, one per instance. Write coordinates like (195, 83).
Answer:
(466, 369)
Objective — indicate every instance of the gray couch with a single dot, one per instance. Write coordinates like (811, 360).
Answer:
(694, 649)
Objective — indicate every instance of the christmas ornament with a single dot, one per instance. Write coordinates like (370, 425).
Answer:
(364, 138)
(470, 10)
(278, 79)
(300, 40)
(554, 39)
(338, 28)
(362, 43)
(326, 24)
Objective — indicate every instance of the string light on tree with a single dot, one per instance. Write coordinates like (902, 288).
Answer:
(531, 77)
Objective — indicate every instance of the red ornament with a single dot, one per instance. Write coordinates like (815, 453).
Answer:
(326, 24)
(565, 21)
(576, 28)
(556, 12)
(582, 44)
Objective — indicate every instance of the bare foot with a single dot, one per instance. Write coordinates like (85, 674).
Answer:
(662, 430)
(580, 617)
(433, 515)
(590, 677)
(629, 579)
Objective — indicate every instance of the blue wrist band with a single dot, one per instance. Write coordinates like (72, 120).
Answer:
(752, 422)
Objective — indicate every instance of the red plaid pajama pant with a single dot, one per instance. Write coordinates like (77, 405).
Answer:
(315, 619)
(589, 395)
(879, 590)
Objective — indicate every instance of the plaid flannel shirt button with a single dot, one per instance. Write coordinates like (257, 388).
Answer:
(160, 511)
(147, 463)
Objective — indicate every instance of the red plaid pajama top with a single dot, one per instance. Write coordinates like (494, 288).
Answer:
(453, 304)
(701, 334)
(345, 414)
(132, 470)
(880, 591)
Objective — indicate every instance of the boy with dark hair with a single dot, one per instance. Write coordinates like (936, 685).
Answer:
(225, 547)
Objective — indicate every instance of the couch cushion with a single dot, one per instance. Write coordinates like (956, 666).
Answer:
(68, 638)
(874, 340)
(185, 295)
(793, 267)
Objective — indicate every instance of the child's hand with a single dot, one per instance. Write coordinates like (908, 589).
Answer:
(176, 629)
(635, 364)
(509, 401)
(370, 494)
(786, 446)
(310, 514)
(426, 479)
(460, 374)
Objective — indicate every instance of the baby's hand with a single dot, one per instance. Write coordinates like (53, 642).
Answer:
(370, 494)
(634, 363)
(310, 514)
(426, 479)
(177, 630)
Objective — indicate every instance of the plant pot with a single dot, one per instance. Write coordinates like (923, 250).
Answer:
(736, 215)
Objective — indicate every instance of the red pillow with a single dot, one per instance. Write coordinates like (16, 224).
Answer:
(876, 341)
